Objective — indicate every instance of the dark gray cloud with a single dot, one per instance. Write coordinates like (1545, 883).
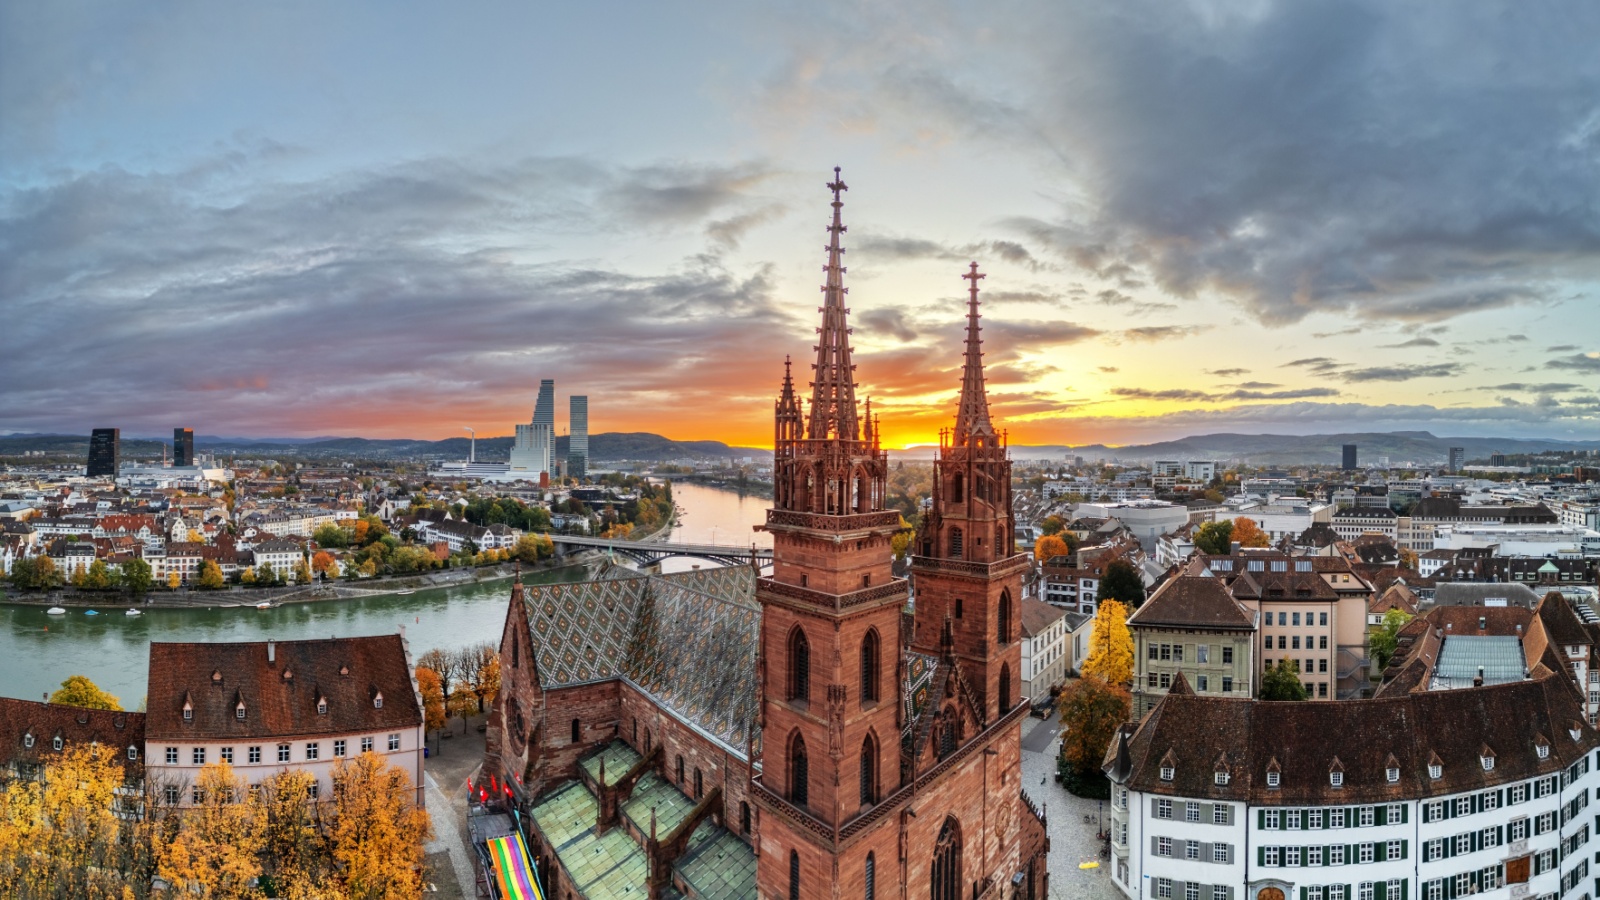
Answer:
(1227, 373)
(1546, 387)
(1320, 365)
(1017, 333)
(1563, 348)
(1190, 395)
(874, 248)
(889, 321)
(1400, 372)
(1151, 333)
(1414, 342)
(1256, 385)
(1580, 362)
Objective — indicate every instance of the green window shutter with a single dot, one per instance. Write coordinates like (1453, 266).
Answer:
(1261, 856)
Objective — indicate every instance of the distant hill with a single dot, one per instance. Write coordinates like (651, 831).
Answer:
(1420, 447)
(609, 447)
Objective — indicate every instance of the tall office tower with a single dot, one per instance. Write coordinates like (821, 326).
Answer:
(1458, 458)
(105, 451)
(183, 446)
(1349, 457)
(578, 441)
(535, 441)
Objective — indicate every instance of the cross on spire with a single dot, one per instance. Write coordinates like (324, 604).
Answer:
(833, 397)
(972, 417)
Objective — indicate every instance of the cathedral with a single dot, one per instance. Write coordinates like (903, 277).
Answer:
(809, 735)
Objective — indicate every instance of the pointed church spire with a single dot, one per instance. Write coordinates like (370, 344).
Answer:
(972, 418)
(833, 390)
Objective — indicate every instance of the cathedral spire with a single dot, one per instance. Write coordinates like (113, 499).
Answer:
(972, 417)
(833, 390)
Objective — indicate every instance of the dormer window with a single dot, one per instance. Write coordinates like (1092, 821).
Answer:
(188, 714)
(377, 700)
(27, 741)
(133, 752)
(1272, 779)
(1392, 773)
(1336, 779)
(1575, 732)
(55, 742)
(1167, 773)
(322, 707)
(238, 712)
(1435, 771)
(1543, 750)
(1488, 762)
(1221, 778)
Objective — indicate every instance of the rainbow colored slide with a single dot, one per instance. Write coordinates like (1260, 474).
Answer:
(512, 870)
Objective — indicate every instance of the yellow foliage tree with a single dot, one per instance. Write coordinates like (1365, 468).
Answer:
(1050, 547)
(210, 575)
(378, 831)
(325, 563)
(64, 838)
(173, 580)
(78, 690)
(297, 852)
(1110, 646)
(248, 576)
(217, 850)
(432, 690)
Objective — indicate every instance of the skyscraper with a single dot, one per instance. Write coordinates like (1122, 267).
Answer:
(105, 451)
(531, 451)
(1349, 457)
(183, 446)
(1458, 458)
(578, 441)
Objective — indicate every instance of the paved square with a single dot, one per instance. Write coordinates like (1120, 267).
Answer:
(1072, 840)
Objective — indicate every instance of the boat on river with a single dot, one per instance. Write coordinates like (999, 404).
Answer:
(265, 604)
(133, 612)
(55, 611)
(91, 612)
(405, 592)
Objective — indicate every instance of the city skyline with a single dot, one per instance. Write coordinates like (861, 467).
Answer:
(1283, 218)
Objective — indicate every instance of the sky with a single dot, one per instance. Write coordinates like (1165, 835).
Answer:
(393, 219)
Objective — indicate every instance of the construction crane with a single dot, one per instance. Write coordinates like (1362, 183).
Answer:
(472, 452)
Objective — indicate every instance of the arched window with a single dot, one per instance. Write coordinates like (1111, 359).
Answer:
(955, 543)
(799, 665)
(958, 607)
(636, 732)
(955, 488)
(1005, 687)
(744, 817)
(576, 731)
(794, 875)
(947, 738)
(799, 771)
(947, 862)
(680, 770)
(869, 667)
(870, 887)
(869, 771)
(699, 785)
(1003, 631)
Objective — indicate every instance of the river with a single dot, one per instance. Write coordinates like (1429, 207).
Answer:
(38, 651)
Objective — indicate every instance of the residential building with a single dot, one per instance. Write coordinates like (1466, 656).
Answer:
(1354, 521)
(267, 707)
(1192, 625)
(34, 733)
(105, 452)
(1045, 651)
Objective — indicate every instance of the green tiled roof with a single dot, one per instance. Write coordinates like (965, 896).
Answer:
(608, 867)
(671, 806)
(719, 868)
(619, 758)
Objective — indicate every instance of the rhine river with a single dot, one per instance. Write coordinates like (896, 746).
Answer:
(38, 651)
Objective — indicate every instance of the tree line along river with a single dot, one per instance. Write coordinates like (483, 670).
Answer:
(38, 651)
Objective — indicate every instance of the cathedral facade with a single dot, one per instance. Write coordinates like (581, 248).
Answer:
(808, 735)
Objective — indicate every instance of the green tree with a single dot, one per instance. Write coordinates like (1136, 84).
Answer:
(331, 536)
(99, 577)
(1214, 538)
(136, 577)
(1091, 711)
(1382, 642)
(78, 690)
(264, 574)
(1052, 525)
(1121, 582)
(1282, 682)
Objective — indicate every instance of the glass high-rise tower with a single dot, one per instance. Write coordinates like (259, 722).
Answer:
(183, 446)
(105, 452)
(535, 441)
(578, 441)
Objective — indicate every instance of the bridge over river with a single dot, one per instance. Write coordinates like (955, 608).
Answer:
(648, 552)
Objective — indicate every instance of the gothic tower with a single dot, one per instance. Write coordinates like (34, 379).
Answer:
(968, 576)
(830, 633)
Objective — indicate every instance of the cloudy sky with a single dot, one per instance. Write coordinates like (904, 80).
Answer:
(393, 219)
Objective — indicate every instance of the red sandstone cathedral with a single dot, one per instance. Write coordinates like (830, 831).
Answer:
(813, 734)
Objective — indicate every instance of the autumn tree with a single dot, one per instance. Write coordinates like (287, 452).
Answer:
(482, 672)
(1049, 547)
(1383, 641)
(462, 703)
(298, 857)
(378, 830)
(1214, 538)
(248, 576)
(1091, 711)
(210, 576)
(324, 564)
(533, 547)
(174, 580)
(98, 577)
(1110, 646)
(1052, 525)
(64, 838)
(432, 698)
(216, 852)
(331, 536)
(78, 690)
(448, 666)
(1408, 558)
(1121, 582)
(1248, 533)
(1282, 682)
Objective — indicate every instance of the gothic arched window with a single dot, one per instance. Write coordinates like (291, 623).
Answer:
(869, 771)
(799, 771)
(794, 875)
(1003, 631)
(870, 886)
(955, 488)
(680, 770)
(955, 543)
(576, 731)
(869, 667)
(744, 817)
(799, 665)
(946, 881)
(1005, 687)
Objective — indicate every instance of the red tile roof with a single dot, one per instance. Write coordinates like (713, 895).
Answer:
(280, 696)
(47, 721)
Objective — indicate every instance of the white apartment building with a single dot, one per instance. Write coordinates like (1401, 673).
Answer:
(1280, 520)
(265, 707)
(1045, 650)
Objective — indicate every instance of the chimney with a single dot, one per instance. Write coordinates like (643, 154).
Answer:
(1234, 548)
(1483, 622)
(1478, 681)
(272, 653)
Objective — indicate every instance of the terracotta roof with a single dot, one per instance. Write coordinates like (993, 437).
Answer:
(47, 721)
(280, 697)
(1283, 586)
(1193, 601)
(1560, 622)
(1398, 596)
(1307, 741)
(1038, 615)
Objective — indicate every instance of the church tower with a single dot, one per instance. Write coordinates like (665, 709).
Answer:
(830, 632)
(967, 573)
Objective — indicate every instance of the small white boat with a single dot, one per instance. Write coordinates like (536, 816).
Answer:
(133, 612)
(403, 593)
(55, 611)
(265, 604)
